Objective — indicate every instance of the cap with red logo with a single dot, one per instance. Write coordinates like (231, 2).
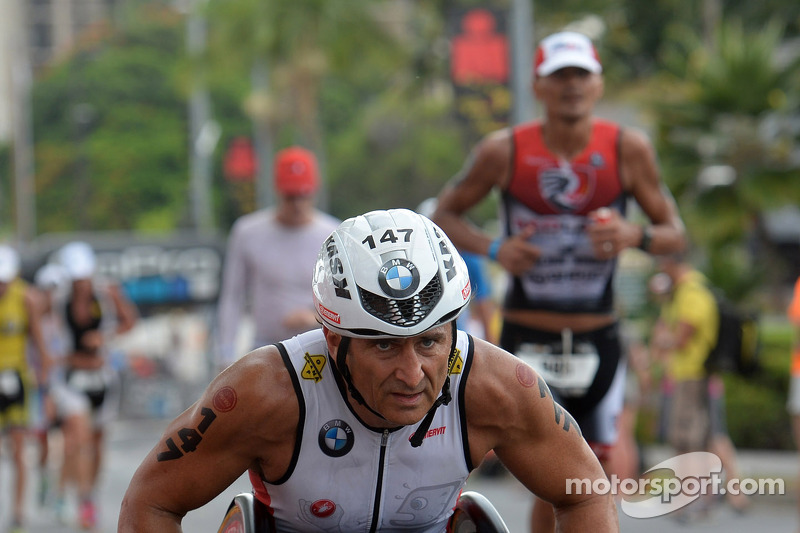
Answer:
(566, 49)
(296, 172)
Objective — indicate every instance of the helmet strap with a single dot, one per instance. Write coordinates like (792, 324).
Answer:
(425, 425)
(341, 364)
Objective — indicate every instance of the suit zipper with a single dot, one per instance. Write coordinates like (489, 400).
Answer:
(376, 505)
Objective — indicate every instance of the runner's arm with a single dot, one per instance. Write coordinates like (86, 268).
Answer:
(488, 167)
(641, 173)
(34, 308)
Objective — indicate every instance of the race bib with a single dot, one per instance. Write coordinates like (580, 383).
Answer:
(87, 380)
(568, 368)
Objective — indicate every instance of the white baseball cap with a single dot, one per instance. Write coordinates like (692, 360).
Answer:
(78, 259)
(566, 49)
(9, 263)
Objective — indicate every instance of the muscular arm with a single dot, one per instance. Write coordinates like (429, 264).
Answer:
(512, 411)
(488, 167)
(34, 306)
(246, 418)
(641, 176)
(126, 311)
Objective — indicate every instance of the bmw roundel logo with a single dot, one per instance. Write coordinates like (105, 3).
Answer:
(336, 438)
(398, 278)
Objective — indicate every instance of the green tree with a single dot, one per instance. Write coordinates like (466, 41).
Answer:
(110, 130)
(727, 123)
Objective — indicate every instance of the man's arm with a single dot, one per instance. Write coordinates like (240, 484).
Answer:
(125, 310)
(247, 418)
(488, 166)
(511, 410)
(34, 308)
(640, 177)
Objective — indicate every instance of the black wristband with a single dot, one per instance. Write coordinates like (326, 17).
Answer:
(647, 239)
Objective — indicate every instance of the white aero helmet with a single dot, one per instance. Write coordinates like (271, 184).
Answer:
(9, 263)
(389, 274)
(78, 259)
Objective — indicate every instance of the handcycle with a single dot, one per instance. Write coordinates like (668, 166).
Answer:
(473, 513)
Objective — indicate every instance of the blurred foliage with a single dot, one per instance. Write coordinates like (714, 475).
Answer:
(756, 406)
(365, 85)
(728, 125)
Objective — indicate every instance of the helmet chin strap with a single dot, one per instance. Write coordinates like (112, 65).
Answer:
(424, 426)
(341, 353)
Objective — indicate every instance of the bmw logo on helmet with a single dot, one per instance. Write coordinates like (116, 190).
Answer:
(398, 278)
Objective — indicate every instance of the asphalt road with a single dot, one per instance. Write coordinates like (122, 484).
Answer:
(129, 442)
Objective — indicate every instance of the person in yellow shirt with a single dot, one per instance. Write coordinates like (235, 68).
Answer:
(685, 334)
(20, 310)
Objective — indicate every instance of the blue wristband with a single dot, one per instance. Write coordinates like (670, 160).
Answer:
(494, 248)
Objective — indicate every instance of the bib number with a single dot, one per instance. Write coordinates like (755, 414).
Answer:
(87, 380)
(569, 368)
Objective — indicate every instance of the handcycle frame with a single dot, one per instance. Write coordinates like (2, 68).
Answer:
(473, 513)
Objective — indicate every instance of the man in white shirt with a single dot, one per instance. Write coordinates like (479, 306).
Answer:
(270, 258)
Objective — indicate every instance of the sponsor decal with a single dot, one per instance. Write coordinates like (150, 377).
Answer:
(323, 508)
(466, 291)
(456, 364)
(434, 432)
(336, 438)
(224, 399)
(398, 278)
(337, 270)
(330, 315)
(597, 160)
(567, 188)
(312, 370)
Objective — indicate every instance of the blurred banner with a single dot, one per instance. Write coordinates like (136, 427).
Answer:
(480, 69)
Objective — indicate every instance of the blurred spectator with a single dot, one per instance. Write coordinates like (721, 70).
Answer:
(270, 259)
(49, 279)
(95, 310)
(793, 313)
(694, 414)
(20, 315)
(684, 335)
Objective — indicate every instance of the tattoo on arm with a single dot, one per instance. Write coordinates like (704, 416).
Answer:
(190, 437)
(544, 391)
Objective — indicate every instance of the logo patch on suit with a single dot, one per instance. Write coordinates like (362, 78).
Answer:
(456, 364)
(567, 188)
(336, 438)
(312, 370)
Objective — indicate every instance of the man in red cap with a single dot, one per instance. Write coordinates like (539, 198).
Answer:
(270, 258)
(564, 181)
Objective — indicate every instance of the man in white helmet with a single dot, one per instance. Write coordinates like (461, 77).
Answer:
(20, 315)
(374, 421)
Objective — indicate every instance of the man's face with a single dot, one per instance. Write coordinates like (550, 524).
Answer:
(399, 378)
(295, 210)
(569, 93)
